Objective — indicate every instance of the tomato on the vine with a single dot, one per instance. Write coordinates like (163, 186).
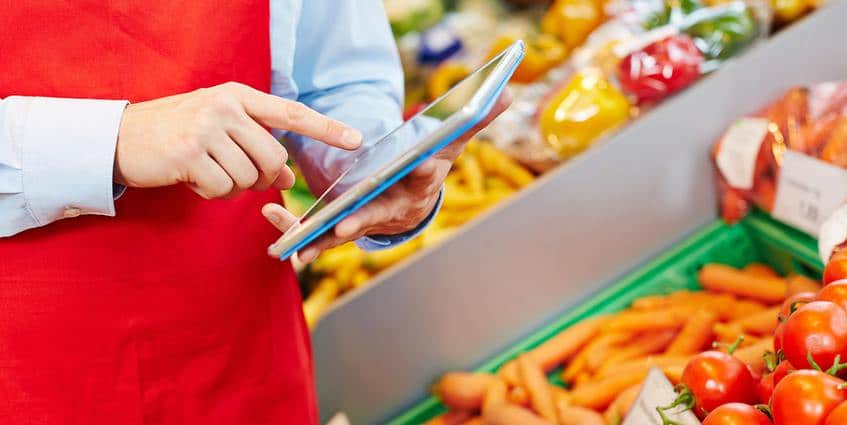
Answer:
(737, 414)
(836, 267)
(778, 335)
(835, 292)
(817, 330)
(838, 416)
(806, 397)
(764, 389)
(794, 302)
(717, 378)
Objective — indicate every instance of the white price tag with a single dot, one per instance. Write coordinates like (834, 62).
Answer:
(808, 192)
(657, 391)
(833, 233)
(739, 149)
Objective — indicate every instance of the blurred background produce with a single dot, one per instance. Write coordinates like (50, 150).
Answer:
(590, 67)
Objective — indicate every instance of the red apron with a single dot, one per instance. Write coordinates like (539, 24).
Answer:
(170, 313)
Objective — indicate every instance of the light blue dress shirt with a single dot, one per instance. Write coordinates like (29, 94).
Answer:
(338, 57)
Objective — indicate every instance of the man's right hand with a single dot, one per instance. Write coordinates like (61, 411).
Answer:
(214, 141)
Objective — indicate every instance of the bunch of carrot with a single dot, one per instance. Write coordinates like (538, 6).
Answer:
(604, 359)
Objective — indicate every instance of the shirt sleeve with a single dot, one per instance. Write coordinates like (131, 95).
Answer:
(352, 74)
(56, 159)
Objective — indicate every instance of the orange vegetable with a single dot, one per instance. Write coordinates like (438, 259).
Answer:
(598, 347)
(728, 333)
(799, 283)
(643, 364)
(507, 414)
(640, 321)
(495, 395)
(642, 345)
(463, 390)
(509, 373)
(761, 323)
(575, 415)
(753, 355)
(695, 335)
(759, 269)
(565, 344)
(453, 417)
(474, 421)
(622, 403)
(519, 396)
(721, 278)
(603, 347)
(599, 393)
(540, 396)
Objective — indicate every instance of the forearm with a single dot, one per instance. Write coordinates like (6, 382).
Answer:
(56, 159)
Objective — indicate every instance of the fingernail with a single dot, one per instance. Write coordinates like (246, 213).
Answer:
(351, 137)
(273, 216)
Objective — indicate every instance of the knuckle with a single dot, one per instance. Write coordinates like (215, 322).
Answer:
(295, 111)
(232, 86)
(249, 179)
(223, 104)
(220, 189)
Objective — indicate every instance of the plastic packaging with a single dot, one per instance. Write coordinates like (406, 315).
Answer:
(811, 121)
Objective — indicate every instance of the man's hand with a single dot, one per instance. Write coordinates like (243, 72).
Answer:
(214, 141)
(400, 208)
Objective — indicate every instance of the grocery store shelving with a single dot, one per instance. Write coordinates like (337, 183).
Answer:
(554, 244)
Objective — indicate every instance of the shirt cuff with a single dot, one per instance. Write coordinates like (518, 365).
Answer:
(69, 155)
(379, 242)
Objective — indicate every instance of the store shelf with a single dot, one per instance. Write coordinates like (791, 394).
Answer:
(552, 246)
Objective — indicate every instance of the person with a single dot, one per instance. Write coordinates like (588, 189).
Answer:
(125, 297)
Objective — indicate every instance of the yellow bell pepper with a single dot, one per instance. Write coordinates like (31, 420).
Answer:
(319, 300)
(572, 20)
(586, 108)
(445, 77)
(543, 52)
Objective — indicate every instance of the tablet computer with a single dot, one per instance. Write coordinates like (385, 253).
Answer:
(374, 169)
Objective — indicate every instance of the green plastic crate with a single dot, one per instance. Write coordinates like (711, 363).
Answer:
(757, 238)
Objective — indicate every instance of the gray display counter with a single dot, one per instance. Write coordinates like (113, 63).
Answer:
(573, 232)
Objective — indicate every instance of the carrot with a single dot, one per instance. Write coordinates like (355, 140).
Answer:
(474, 421)
(599, 393)
(736, 309)
(696, 333)
(598, 347)
(575, 415)
(622, 403)
(582, 378)
(509, 373)
(558, 349)
(799, 283)
(721, 278)
(540, 396)
(753, 355)
(727, 333)
(463, 390)
(519, 396)
(603, 347)
(761, 323)
(495, 395)
(452, 417)
(643, 364)
(642, 345)
(507, 414)
(759, 269)
(640, 321)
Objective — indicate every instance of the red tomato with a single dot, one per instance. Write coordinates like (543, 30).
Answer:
(797, 300)
(835, 292)
(778, 337)
(661, 69)
(783, 369)
(818, 329)
(768, 382)
(737, 414)
(764, 389)
(836, 268)
(838, 416)
(717, 378)
(806, 397)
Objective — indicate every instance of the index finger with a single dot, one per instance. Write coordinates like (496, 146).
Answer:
(296, 117)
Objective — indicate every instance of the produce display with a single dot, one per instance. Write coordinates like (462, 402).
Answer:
(590, 67)
(749, 156)
(718, 344)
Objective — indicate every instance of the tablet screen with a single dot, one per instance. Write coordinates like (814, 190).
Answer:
(372, 159)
